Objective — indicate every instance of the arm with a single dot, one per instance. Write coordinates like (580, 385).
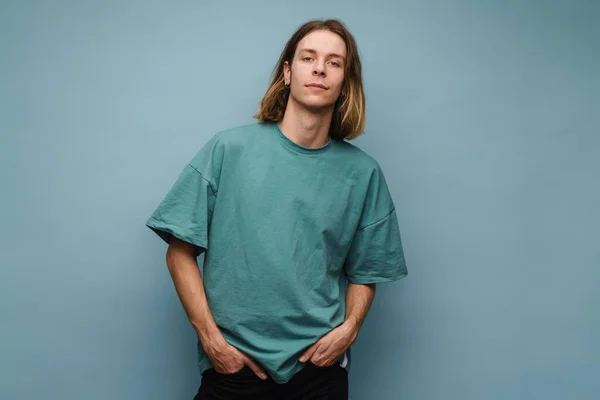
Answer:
(183, 267)
(358, 302)
(330, 347)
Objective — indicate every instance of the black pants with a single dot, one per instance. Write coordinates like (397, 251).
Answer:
(311, 383)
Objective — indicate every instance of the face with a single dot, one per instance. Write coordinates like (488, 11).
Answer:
(316, 75)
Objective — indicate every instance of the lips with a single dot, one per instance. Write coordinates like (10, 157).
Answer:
(318, 85)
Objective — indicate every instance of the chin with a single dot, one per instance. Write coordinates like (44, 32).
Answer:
(315, 104)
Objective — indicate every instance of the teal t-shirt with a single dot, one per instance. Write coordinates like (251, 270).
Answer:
(284, 229)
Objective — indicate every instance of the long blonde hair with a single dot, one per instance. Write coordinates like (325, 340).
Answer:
(348, 120)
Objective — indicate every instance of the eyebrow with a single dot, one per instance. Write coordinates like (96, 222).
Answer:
(315, 52)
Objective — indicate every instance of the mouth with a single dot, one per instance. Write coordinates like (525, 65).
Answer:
(317, 86)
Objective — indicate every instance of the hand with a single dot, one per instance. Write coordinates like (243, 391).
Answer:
(226, 359)
(325, 351)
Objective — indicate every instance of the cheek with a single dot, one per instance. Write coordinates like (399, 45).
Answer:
(301, 72)
(339, 80)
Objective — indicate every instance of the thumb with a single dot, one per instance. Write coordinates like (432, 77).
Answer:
(309, 352)
(254, 367)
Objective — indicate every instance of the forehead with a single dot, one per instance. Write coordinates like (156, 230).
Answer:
(323, 42)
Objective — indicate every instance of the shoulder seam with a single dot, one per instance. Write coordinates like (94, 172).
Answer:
(379, 220)
(203, 177)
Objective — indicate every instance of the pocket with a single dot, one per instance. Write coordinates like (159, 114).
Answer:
(335, 365)
(318, 366)
(236, 372)
(213, 371)
(244, 371)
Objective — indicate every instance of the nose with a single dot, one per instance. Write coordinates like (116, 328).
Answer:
(319, 71)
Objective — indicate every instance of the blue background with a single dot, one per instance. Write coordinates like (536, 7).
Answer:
(484, 115)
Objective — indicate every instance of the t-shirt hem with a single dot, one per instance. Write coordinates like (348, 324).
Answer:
(365, 280)
(165, 230)
(204, 365)
(286, 378)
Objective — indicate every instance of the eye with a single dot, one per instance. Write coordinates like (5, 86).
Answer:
(335, 64)
(307, 58)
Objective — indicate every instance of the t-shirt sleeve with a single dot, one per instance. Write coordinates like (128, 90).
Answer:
(376, 254)
(186, 210)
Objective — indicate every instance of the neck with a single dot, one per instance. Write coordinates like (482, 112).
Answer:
(306, 127)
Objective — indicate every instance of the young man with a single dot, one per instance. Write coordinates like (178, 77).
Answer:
(297, 226)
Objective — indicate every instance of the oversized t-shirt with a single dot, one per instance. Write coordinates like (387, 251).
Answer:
(284, 229)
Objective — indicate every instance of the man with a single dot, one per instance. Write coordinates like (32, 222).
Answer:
(297, 226)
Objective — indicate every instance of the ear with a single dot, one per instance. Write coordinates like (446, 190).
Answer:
(287, 72)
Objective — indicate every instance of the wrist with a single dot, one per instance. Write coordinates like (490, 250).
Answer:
(210, 337)
(353, 326)
(213, 344)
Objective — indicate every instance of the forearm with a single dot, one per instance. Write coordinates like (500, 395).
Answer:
(188, 283)
(358, 302)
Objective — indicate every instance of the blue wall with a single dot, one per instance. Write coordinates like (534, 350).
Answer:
(483, 114)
